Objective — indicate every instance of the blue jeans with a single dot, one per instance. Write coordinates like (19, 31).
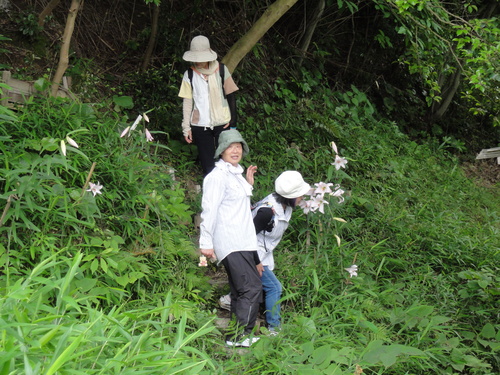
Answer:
(272, 288)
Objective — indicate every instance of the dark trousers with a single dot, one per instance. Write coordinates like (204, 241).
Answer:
(206, 140)
(246, 288)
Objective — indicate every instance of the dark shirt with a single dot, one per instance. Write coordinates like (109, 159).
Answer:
(263, 221)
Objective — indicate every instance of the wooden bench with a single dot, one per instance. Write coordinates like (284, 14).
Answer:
(18, 90)
(489, 153)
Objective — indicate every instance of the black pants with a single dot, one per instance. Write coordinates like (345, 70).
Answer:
(246, 288)
(206, 140)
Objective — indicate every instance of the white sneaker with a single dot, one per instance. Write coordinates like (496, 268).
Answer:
(225, 302)
(245, 343)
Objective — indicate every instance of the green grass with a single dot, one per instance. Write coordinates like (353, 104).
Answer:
(110, 284)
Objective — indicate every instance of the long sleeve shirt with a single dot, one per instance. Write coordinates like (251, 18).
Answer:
(268, 240)
(202, 92)
(226, 219)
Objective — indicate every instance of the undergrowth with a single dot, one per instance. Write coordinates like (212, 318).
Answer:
(107, 282)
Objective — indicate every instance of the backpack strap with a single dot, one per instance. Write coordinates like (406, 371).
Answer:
(222, 73)
(190, 76)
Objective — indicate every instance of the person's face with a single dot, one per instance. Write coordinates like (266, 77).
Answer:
(298, 199)
(233, 153)
(201, 65)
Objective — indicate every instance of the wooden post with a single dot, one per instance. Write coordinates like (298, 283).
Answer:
(5, 91)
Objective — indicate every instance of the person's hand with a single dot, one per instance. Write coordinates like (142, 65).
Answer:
(226, 126)
(209, 253)
(250, 172)
(189, 137)
(260, 269)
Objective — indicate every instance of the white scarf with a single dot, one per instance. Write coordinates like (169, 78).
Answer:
(237, 171)
(218, 108)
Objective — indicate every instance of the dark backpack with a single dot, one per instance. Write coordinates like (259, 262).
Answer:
(221, 72)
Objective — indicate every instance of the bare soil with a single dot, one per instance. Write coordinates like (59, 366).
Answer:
(485, 173)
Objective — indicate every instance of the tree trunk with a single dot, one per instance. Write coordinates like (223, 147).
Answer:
(152, 38)
(313, 20)
(46, 11)
(263, 24)
(447, 95)
(64, 54)
(488, 10)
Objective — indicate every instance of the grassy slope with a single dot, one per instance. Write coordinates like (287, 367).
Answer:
(424, 236)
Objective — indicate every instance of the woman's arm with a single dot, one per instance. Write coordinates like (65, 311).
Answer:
(213, 194)
(250, 172)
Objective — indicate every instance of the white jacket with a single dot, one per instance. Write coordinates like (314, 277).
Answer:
(267, 241)
(226, 220)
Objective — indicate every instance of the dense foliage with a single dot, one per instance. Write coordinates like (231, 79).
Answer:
(108, 282)
(431, 66)
(98, 233)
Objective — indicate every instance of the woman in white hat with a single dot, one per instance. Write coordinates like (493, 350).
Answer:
(227, 232)
(271, 218)
(209, 103)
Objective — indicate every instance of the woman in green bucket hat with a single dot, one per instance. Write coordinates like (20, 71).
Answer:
(227, 232)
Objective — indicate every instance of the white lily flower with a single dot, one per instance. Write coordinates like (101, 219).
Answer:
(339, 219)
(125, 132)
(136, 122)
(318, 203)
(338, 239)
(353, 270)
(71, 142)
(310, 192)
(149, 137)
(323, 188)
(334, 147)
(305, 205)
(203, 261)
(339, 162)
(95, 188)
(63, 147)
(339, 193)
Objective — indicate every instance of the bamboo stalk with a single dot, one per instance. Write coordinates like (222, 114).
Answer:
(89, 176)
(7, 206)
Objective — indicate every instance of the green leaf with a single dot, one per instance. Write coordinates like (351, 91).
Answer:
(488, 331)
(420, 311)
(94, 266)
(123, 101)
(320, 354)
(41, 84)
(122, 280)
(65, 355)
(104, 265)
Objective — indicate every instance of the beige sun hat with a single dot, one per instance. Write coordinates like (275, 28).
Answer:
(200, 50)
(290, 184)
